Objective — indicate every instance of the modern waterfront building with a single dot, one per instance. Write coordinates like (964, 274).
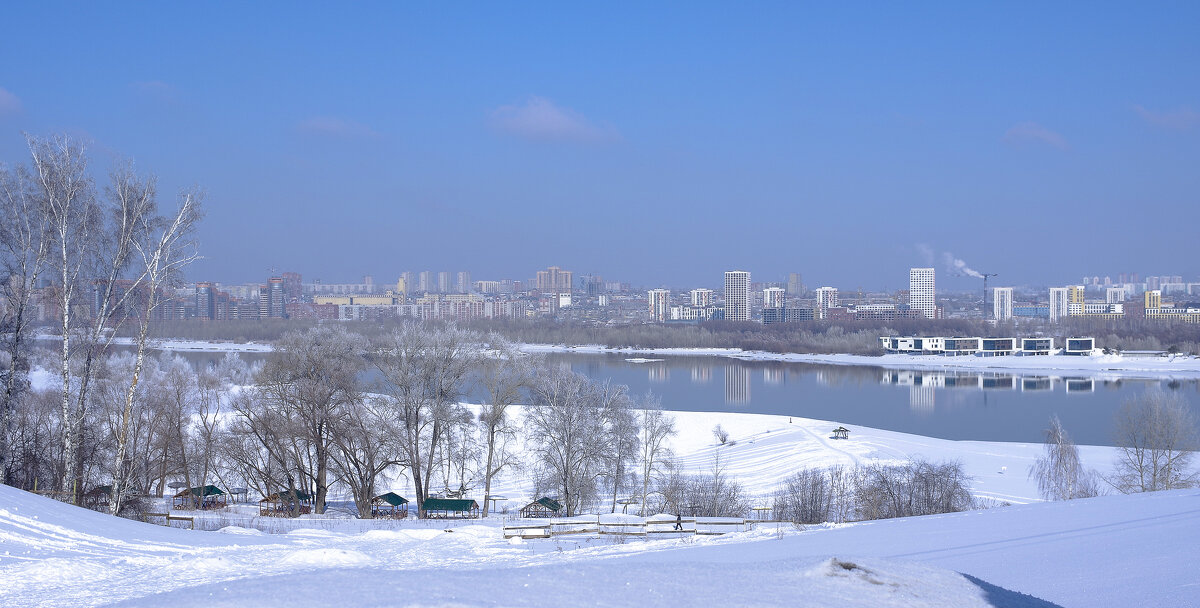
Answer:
(659, 304)
(827, 297)
(1058, 303)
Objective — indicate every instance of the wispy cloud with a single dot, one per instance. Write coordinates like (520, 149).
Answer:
(9, 104)
(539, 119)
(1180, 119)
(1032, 132)
(329, 126)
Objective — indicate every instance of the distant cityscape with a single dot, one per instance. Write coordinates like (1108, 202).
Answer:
(558, 293)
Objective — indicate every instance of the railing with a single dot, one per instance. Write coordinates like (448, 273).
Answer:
(168, 518)
(699, 526)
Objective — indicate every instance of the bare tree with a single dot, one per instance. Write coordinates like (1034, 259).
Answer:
(621, 436)
(422, 369)
(504, 373)
(565, 429)
(1059, 474)
(1156, 439)
(657, 428)
(164, 247)
(313, 381)
(25, 244)
(365, 439)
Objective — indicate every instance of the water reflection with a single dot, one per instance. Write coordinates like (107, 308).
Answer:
(737, 383)
(659, 373)
(701, 374)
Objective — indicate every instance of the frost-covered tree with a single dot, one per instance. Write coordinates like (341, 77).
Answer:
(1156, 438)
(566, 433)
(1059, 474)
(656, 430)
(504, 373)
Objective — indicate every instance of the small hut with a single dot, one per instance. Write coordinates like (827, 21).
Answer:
(208, 497)
(446, 508)
(542, 507)
(284, 503)
(389, 505)
(97, 497)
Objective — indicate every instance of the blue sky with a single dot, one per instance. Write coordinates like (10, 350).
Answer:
(656, 145)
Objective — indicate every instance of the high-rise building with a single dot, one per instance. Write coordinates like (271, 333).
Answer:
(205, 302)
(463, 284)
(660, 303)
(702, 297)
(293, 287)
(922, 295)
(443, 282)
(737, 295)
(1076, 298)
(554, 280)
(1153, 299)
(827, 297)
(1115, 295)
(1058, 303)
(425, 282)
(773, 297)
(1002, 303)
(271, 303)
(795, 286)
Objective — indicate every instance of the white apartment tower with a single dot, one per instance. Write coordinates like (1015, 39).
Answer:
(660, 304)
(1002, 303)
(921, 293)
(773, 297)
(702, 297)
(1116, 295)
(1058, 303)
(737, 295)
(827, 297)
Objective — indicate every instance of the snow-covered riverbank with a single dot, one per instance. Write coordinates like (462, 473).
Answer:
(1183, 366)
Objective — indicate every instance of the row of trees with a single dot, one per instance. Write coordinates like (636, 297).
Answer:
(109, 250)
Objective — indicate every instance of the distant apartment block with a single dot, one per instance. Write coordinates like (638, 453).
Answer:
(702, 297)
(922, 294)
(1002, 303)
(554, 280)
(659, 301)
(737, 295)
(827, 299)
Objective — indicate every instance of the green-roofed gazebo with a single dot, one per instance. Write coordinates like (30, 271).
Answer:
(542, 507)
(444, 508)
(280, 504)
(208, 497)
(389, 505)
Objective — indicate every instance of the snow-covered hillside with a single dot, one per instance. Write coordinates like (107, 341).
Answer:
(1136, 550)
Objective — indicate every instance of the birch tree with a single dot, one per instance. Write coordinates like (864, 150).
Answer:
(656, 430)
(565, 430)
(164, 246)
(1059, 473)
(25, 244)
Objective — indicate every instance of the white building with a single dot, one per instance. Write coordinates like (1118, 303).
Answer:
(921, 291)
(702, 297)
(1116, 295)
(737, 295)
(1002, 301)
(827, 297)
(1058, 303)
(659, 304)
(773, 297)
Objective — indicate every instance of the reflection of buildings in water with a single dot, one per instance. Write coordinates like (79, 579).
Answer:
(701, 374)
(659, 373)
(772, 375)
(824, 377)
(999, 382)
(921, 398)
(737, 383)
(915, 378)
(1080, 385)
(964, 381)
(1037, 383)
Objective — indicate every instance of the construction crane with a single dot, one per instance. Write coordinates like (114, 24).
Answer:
(985, 278)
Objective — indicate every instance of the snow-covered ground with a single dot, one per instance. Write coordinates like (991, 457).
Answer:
(1170, 366)
(1136, 550)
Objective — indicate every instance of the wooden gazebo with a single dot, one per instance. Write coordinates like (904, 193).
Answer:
(208, 497)
(841, 432)
(97, 497)
(542, 507)
(446, 508)
(389, 505)
(280, 504)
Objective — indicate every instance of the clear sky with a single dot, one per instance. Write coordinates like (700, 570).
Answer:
(661, 146)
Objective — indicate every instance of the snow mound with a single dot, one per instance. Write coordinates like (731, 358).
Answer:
(240, 530)
(326, 558)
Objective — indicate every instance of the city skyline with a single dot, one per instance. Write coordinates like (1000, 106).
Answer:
(823, 138)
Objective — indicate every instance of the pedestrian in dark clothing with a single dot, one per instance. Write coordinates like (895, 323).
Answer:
(679, 521)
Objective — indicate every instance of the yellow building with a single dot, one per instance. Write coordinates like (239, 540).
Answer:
(338, 300)
(1153, 299)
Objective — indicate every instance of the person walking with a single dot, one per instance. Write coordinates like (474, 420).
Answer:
(679, 521)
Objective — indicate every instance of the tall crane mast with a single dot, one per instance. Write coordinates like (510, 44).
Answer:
(985, 292)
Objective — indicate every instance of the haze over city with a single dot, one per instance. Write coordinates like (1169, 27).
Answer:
(655, 146)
